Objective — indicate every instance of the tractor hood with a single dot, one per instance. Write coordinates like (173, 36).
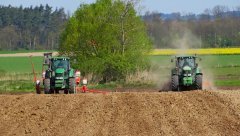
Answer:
(187, 68)
(60, 70)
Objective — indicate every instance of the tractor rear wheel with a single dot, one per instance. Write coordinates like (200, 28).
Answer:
(38, 90)
(199, 82)
(72, 85)
(47, 86)
(56, 91)
(66, 91)
(175, 83)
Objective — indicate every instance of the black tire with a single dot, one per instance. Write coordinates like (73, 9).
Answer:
(56, 91)
(199, 82)
(175, 83)
(38, 90)
(66, 91)
(72, 85)
(47, 86)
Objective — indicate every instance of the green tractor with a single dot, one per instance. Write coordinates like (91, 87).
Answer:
(58, 75)
(186, 75)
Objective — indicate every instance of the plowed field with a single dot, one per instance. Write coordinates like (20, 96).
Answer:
(130, 113)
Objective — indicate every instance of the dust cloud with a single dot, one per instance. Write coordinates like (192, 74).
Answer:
(182, 42)
(208, 80)
(161, 73)
(186, 41)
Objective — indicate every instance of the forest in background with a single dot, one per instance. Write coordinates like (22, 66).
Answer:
(218, 27)
(31, 28)
(39, 28)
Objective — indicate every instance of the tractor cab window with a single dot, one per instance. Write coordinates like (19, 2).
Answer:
(59, 63)
(186, 62)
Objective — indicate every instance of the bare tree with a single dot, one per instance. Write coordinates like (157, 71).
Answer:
(218, 11)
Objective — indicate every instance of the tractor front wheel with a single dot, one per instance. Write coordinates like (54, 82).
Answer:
(199, 82)
(47, 86)
(175, 83)
(72, 85)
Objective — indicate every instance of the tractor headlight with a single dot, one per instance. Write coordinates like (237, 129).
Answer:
(187, 74)
(59, 77)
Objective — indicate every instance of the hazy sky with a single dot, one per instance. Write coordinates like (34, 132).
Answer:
(164, 6)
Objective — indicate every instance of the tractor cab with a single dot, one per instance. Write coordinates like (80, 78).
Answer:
(186, 65)
(186, 61)
(60, 62)
(60, 66)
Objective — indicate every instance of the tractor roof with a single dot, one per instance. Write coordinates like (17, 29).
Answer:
(60, 58)
(186, 57)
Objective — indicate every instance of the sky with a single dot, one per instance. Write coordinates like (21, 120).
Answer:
(163, 6)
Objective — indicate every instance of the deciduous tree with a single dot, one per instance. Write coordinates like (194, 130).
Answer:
(107, 38)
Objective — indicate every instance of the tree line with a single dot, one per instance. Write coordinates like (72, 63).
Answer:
(39, 27)
(30, 28)
(217, 27)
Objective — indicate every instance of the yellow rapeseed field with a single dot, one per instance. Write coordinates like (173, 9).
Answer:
(211, 51)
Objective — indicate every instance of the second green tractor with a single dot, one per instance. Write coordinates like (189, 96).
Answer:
(58, 75)
(186, 75)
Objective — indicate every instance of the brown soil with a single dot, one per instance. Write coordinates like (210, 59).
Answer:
(130, 113)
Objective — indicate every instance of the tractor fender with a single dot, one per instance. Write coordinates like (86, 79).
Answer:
(198, 71)
(174, 72)
(48, 74)
(71, 73)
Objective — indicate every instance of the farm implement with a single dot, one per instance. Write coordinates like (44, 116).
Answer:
(58, 75)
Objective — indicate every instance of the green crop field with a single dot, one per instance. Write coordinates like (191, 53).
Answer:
(16, 72)
(20, 64)
(227, 63)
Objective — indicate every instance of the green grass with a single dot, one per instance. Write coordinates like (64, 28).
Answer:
(225, 63)
(221, 61)
(20, 64)
(11, 86)
(110, 86)
(225, 71)
(16, 82)
(16, 72)
(229, 83)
